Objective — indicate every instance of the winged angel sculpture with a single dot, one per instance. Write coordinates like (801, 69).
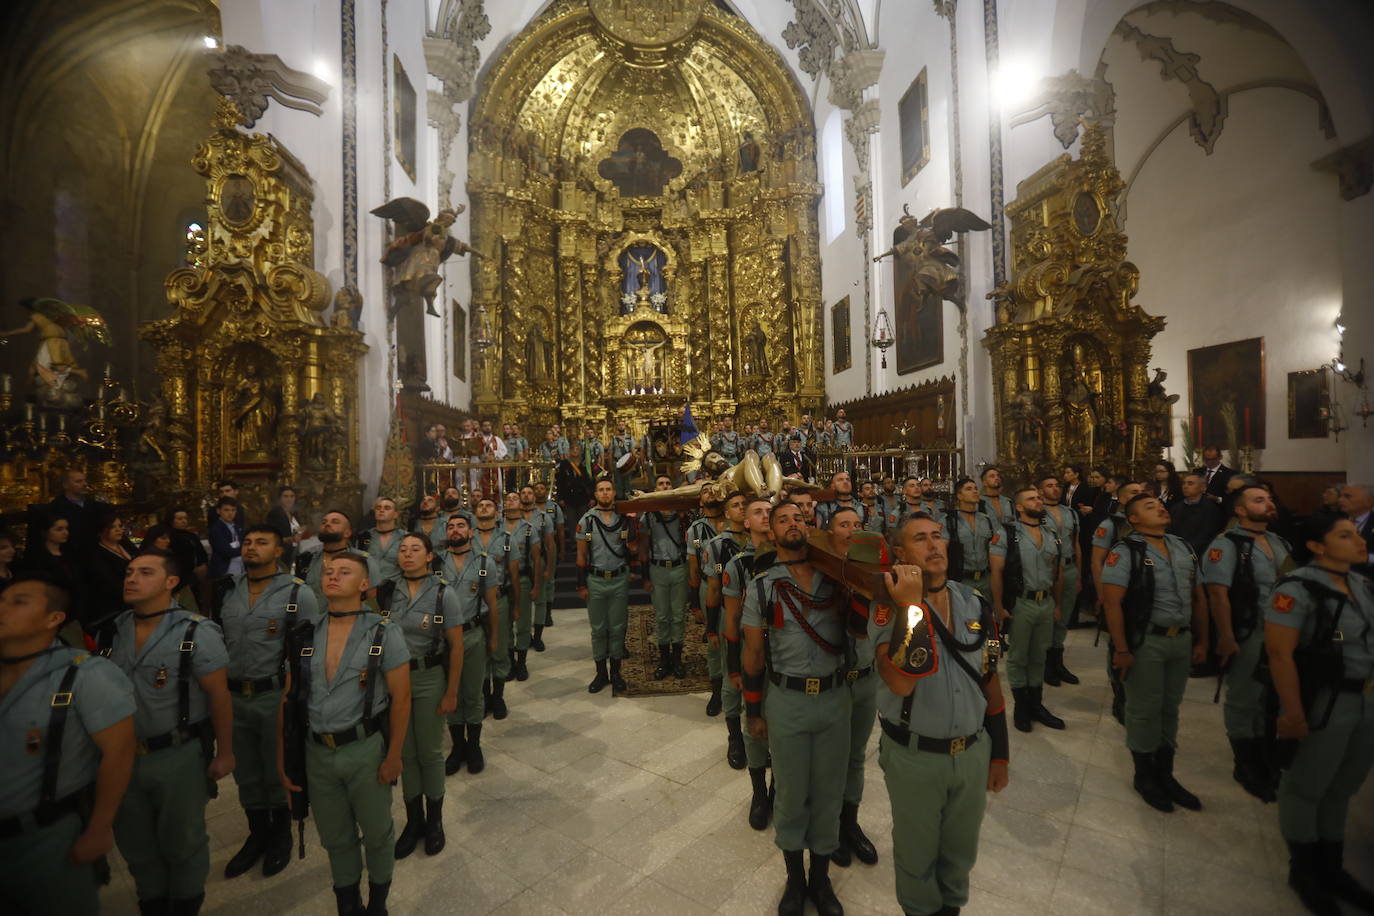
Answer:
(931, 268)
(58, 325)
(420, 246)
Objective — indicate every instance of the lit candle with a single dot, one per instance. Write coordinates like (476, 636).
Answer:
(61, 423)
(28, 413)
(109, 370)
(6, 383)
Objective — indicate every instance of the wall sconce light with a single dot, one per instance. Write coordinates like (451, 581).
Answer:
(1342, 371)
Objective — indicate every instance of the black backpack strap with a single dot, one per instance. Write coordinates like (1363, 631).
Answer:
(374, 664)
(186, 650)
(59, 706)
(437, 619)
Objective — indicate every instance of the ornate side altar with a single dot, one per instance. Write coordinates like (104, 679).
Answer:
(1070, 351)
(256, 387)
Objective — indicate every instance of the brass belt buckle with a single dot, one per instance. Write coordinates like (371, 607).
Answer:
(327, 739)
(957, 745)
(247, 689)
(852, 674)
(813, 686)
(1172, 631)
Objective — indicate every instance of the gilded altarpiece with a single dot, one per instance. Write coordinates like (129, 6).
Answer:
(255, 385)
(1070, 351)
(682, 104)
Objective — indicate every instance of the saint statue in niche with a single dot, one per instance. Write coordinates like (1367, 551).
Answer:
(645, 357)
(643, 271)
(749, 153)
(538, 355)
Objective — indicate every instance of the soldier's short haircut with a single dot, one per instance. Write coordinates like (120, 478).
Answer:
(1021, 491)
(54, 592)
(1135, 502)
(263, 529)
(830, 522)
(988, 470)
(352, 556)
(346, 517)
(894, 537)
(169, 560)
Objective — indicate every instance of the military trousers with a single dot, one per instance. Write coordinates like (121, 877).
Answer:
(862, 717)
(1330, 766)
(255, 750)
(422, 752)
(1067, 597)
(160, 826)
(498, 660)
(937, 802)
(520, 630)
(808, 736)
(1154, 690)
(471, 707)
(715, 655)
(39, 877)
(1244, 712)
(1031, 634)
(608, 609)
(545, 600)
(755, 749)
(345, 797)
(670, 603)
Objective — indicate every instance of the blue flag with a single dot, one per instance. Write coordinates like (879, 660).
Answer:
(689, 427)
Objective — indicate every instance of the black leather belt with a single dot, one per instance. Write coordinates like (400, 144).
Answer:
(247, 688)
(179, 735)
(1357, 685)
(946, 746)
(365, 729)
(858, 674)
(809, 685)
(669, 564)
(607, 573)
(41, 816)
(1156, 630)
(429, 661)
(1036, 595)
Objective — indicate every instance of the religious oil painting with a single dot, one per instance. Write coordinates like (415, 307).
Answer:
(1309, 404)
(640, 166)
(920, 329)
(1226, 391)
(839, 336)
(404, 107)
(913, 116)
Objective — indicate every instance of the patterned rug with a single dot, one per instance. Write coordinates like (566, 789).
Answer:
(641, 650)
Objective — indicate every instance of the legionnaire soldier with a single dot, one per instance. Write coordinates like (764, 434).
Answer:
(1109, 530)
(1319, 640)
(728, 443)
(426, 609)
(605, 549)
(555, 528)
(911, 503)
(699, 534)
(843, 487)
(999, 507)
(176, 661)
(765, 440)
(888, 494)
(663, 550)
(1239, 573)
(382, 540)
(622, 444)
(68, 750)
(1064, 520)
(336, 531)
(1157, 615)
(467, 572)
(968, 534)
(494, 545)
(871, 511)
(739, 572)
(944, 744)
(842, 433)
(719, 552)
(259, 608)
(1026, 567)
(794, 638)
(525, 548)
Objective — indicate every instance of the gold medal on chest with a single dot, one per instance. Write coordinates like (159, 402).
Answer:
(473, 585)
(160, 679)
(362, 679)
(271, 628)
(33, 740)
(424, 622)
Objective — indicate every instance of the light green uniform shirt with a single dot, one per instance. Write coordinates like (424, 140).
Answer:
(468, 583)
(337, 705)
(666, 540)
(792, 651)
(1175, 576)
(1064, 521)
(495, 545)
(256, 636)
(155, 670)
(607, 544)
(1293, 606)
(423, 619)
(1223, 556)
(1039, 564)
(975, 540)
(385, 555)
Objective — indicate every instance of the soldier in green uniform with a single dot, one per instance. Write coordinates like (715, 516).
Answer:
(356, 676)
(494, 545)
(968, 533)
(605, 549)
(257, 610)
(430, 521)
(1105, 536)
(1064, 520)
(382, 540)
(336, 533)
(912, 502)
(842, 485)
(1319, 640)
(998, 507)
(1026, 565)
(719, 551)
(1239, 572)
(555, 527)
(525, 539)
(66, 718)
(794, 637)
(699, 533)
(176, 661)
(944, 744)
(1153, 602)
(467, 573)
(663, 550)
(739, 571)
(427, 611)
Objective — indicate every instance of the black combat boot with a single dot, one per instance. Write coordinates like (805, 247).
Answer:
(251, 850)
(476, 761)
(679, 669)
(454, 761)
(520, 669)
(1164, 762)
(852, 836)
(158, 907)
(276, 855)
(618, 684)
(537, 640)
(376, 898)
(713, 705)
(1065, 675)
(761, 805)
(349, 900)
(734, 744)
(1147, 782)
(1343, 884)
(1038, 711)
(498, 699)
(185, 906)
(793, 902)
(602, 678)
(842, 856)
(665, 663)
(1251, 769)
(434, 826)
(1309, 878)
(818, 888)
(1021, 710)
(415, 826)
(1052, 667)
(486, 697)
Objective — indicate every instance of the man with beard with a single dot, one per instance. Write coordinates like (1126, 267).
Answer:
(727, 442)
(843, 487)
(494, 546)
(430, 521)
(524, 545)
(912, 502)
(942, 755)
(1239, 573)
(870, 510)
(605, 549)
(382, 540)
(997, 506)
(468, 573)
(663, 547)
(257, 611)
(806, 714)
(1027, 576)
(555, 528)
(699, 535)
(719, 552)
(1064, 521)
(336, 530)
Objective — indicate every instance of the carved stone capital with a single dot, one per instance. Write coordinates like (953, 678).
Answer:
(852, 74)
(1067, 98)
(250, 80)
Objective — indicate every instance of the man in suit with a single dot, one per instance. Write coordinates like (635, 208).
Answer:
(794, 461)
(1356, 502)
(78, 507)
(1195, 518)
(226, 539)
(286, 520)
(1215, 473)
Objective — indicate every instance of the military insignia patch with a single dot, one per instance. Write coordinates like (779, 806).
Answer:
(1101, 531)
(160, 679)
(1214, 555)
(882, 615)
(725, 579)
(996, 539)
(1283, 603)
(974, 626)
(1113, 558)
(33, 741)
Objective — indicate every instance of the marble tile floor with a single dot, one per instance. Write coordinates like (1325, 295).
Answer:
(593, 804)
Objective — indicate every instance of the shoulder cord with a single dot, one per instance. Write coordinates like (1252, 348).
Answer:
(789, 594)
(667, 529)
(602, 528)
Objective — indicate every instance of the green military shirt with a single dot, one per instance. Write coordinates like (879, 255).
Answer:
(423, 619)
(437, 532)
(314, 573)
(256, 636)
(826, 509)
(1000, 508)
(947, 703)
(1175, 576)
(470, 582)
(699, 534)
(385, 555)
(1293, 606)
(975, 540)
(554, 513)
(1108, 531)
(607, 543)
(736, 575)
(337, 705)
(901, 510)
(1038, 564)
(666, 540)
(1223, 556)
(791, 650)
(155, 671)
(495, 545)
(101, 697)
(715, 553)
(1064, 521)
